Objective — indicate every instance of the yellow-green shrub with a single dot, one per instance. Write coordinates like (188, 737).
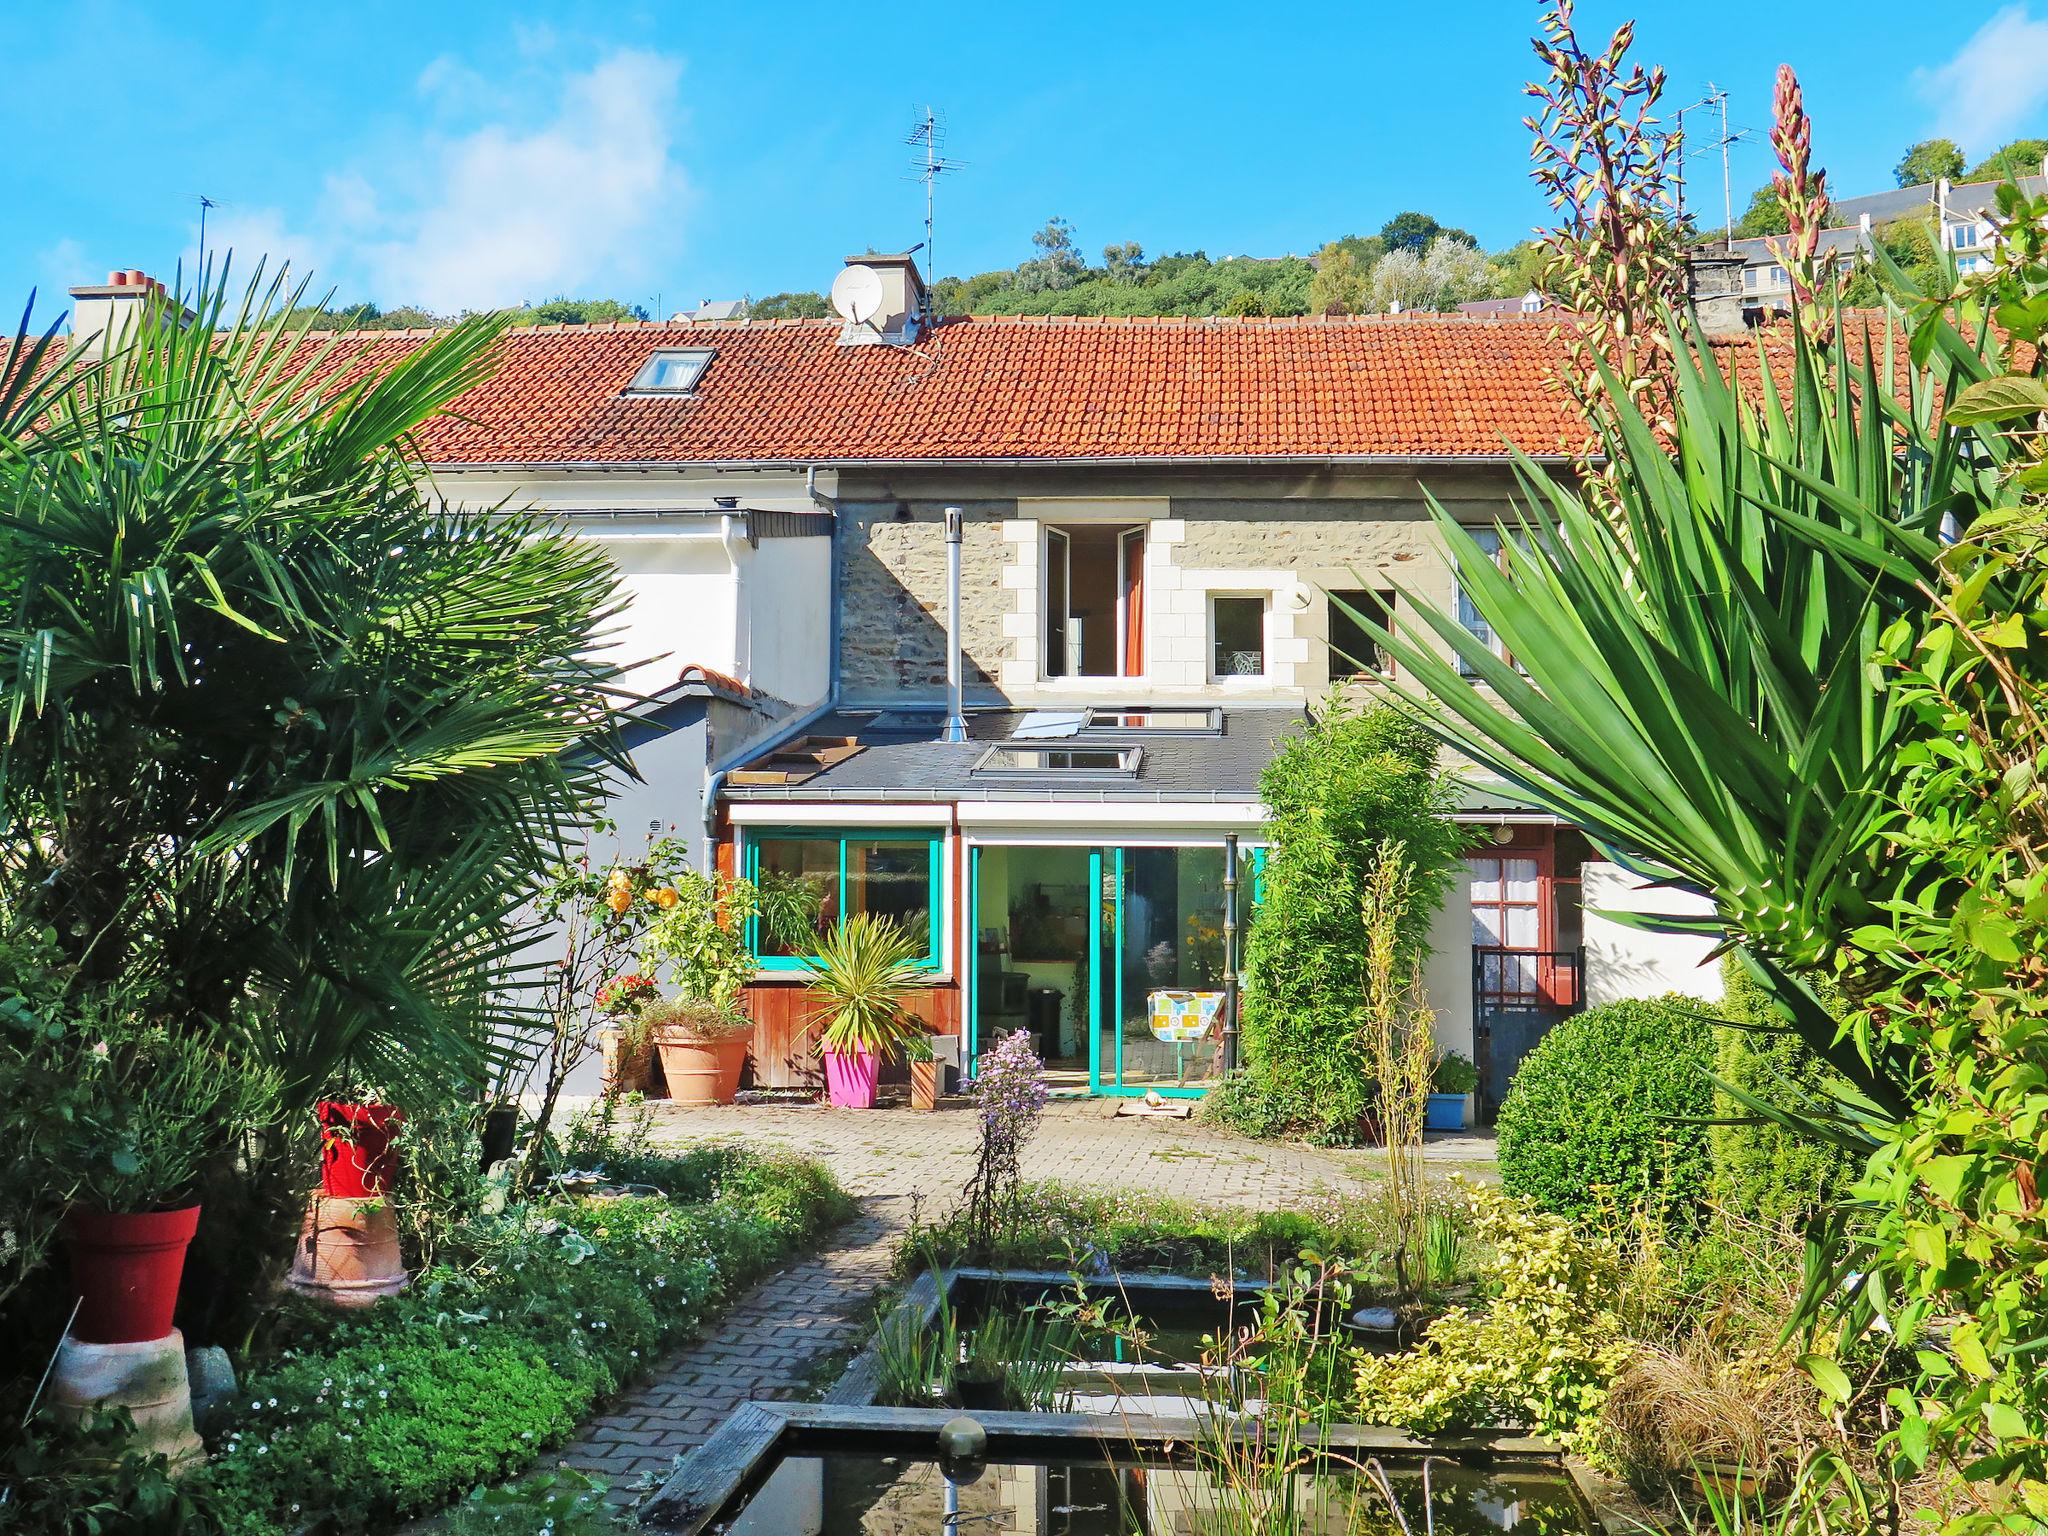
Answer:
(1541, 1354)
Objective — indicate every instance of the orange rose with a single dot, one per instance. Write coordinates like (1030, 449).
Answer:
(664, 898)
(619, 900)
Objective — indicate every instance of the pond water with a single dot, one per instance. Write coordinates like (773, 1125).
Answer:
(859, 1494)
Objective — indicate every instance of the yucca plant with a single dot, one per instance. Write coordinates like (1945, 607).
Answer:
(864, 970)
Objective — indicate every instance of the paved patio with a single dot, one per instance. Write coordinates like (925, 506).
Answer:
(774, 1342)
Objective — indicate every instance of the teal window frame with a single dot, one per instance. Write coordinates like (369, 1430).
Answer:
(932, 840)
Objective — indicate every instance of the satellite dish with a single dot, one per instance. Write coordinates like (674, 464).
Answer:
(857, 294)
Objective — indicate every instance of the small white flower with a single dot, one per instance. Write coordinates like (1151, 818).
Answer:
(100, 1050)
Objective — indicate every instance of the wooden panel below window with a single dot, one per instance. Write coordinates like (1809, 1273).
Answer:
(785, 1045)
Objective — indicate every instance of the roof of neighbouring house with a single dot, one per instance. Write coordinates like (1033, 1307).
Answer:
(1008, 389)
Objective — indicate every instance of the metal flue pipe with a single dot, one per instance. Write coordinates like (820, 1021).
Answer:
(956, 709)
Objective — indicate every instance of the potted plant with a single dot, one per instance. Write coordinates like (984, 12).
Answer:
(1454, 1077)
(703, 1048)
(865, 968)
(357, 1158)
(158, 1107)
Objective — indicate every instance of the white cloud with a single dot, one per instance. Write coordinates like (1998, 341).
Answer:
(499, 215)
(1994, 85)
(588, 199)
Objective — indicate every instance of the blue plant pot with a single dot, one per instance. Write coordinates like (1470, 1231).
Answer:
(1446, 1112)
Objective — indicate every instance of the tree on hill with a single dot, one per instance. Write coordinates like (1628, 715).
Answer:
(2022, 157)
(790, 306)
(1448, 275)
(560, 311)
(1415, 232)
(1339, 286)
(1910, 243)
(1929, 160)
(1764, 216)
(1518, 269)
(1124, 263)
(1058, 263)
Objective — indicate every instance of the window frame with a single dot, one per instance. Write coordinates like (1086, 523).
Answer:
(1056, 545)
(1128, 756)
(933, 839)
(1386, 598)
(702, 355)
(1265, 602)
(1476, 626)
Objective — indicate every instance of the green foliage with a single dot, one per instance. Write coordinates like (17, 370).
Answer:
(85, 1479)
(575, 312)
(563, 1502)
(1909, 248)
(2022, 157)
(802, 305)
(1765, 214)
(864, 970)
(1541, 1353)
(1349, 784)
(1929, 160)
(1761, 1169)
(1417, 232)
(1454, 1073)
(498, 1350)
(1339, 286)
(1596, 1120)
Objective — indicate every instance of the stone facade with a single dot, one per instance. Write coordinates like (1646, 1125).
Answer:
(1246, 534)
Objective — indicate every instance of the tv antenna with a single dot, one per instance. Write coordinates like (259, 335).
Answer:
(1716, 99)
(928, 137)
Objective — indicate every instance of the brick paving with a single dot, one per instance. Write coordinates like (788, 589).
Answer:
(770, 1344)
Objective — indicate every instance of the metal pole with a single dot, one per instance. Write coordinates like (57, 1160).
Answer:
(1230, 952)
(956, 714)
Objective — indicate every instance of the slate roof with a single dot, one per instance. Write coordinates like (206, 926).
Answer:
(1014, 388)
(915, 765)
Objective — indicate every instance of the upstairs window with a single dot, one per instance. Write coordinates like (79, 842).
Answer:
(1353, 652)
(1488, 540)
(1237, 637)
(671, 371)
(1095, 600)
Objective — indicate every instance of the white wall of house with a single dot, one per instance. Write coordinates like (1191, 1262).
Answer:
(684, 605)
(1623, 961)
(786, 618)
(1447, 973)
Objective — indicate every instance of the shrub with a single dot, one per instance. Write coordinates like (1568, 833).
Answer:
(1605, 1114)
(1542, 1352)
(1354, 781)
(497, 1351)
(1760, 1169)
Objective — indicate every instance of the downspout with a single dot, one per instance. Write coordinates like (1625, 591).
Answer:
(714, 782)
(956, 713)
(743, 634)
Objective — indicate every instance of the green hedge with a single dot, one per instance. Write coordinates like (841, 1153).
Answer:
(1596, 1119)
(1762, 1170)
(498, 1351)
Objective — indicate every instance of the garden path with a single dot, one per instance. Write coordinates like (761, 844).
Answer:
(797, 1324)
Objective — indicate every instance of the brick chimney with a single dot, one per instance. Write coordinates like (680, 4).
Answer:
(102, 314)
(1713, 285)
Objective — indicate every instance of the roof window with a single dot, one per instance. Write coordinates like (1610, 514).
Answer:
(671, 371)
(1081, 762)
(1159, 722)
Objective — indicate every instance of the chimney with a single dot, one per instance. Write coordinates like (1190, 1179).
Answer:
(103, 314)
(1713, 285)
(904, 311)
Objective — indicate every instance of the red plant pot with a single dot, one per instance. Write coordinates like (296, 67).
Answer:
(126, 1268)
(850, 1080)
(357, 1159)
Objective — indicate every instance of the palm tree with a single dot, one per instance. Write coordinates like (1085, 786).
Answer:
(287, 740)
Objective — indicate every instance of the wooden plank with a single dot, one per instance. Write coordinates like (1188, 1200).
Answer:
(862, 1378)
(712, 1473)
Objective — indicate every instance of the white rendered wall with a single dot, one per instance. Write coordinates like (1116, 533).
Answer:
(683, 608)
(1622, 961)
(1447, 973)
(786, 618)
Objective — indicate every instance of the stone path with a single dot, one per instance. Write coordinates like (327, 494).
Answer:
(770, 1345)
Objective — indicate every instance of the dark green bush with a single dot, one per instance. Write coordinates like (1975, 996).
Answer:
(1606, 1114)
(501, 1347)
(1353, 780)
(1760, 1169)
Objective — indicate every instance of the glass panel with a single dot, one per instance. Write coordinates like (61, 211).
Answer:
(1486, 927)
(1524, 928)
(1165, 1030)
(1521, 877)
(1488, 540)
(1031, 950)
(1352, 650)
(1056, 562)
(1116, 760)
(893, 881)
(1240, 631)
(799, 878)
(1189, 720)
(1485, 879)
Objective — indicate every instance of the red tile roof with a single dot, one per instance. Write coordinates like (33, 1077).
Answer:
(1436, 386)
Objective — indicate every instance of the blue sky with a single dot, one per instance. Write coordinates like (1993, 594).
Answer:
(459, 154)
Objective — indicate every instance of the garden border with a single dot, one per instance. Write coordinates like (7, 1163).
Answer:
(707, 1480)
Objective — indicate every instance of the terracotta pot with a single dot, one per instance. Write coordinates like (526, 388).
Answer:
(850, 1080)
(357, 1159)
(624, 1068)
(500, 1133)
(924, 1084)
(126, 1268)
(701, 1070)
(348, 1252)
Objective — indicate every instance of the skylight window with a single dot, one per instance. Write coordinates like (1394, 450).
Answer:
(1081, 762)
(671, 371)
(1164, 722)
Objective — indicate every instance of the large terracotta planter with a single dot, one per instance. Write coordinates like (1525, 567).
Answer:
(348, 1252)
(700, 1069)
(850, 1080)
(126, 1269)
(357, 1159)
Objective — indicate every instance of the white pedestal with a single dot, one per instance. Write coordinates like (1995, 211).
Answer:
(148, 1379)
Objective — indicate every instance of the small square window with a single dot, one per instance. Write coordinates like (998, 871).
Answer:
(671, 372)
(1237, 633)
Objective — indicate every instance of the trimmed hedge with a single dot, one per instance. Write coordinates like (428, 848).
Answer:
(1762, 1170)
(498, 1351)
(1595, 1122)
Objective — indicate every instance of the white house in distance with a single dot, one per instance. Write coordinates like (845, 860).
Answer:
(1149, 520)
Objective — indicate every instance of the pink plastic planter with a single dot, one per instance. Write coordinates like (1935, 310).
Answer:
(850, 1080)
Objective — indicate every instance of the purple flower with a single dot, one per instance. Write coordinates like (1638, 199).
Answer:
(1009, 1092)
